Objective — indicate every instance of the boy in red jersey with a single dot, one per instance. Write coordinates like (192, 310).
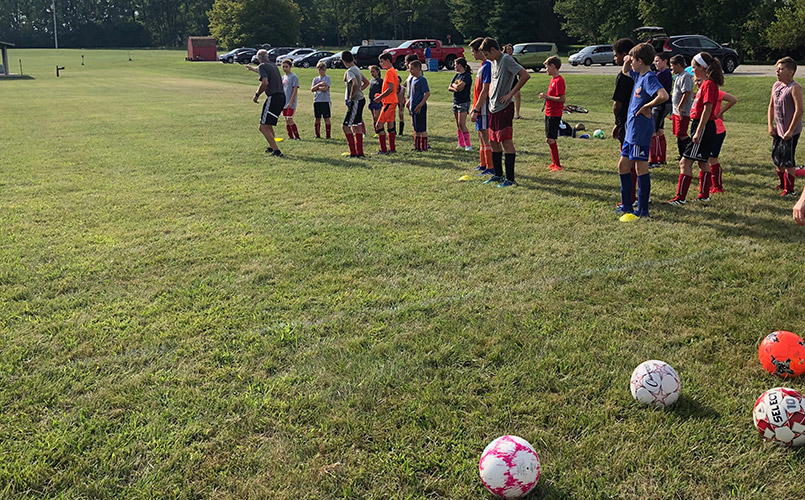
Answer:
(388, 113)
(785, 123)
(554, 103)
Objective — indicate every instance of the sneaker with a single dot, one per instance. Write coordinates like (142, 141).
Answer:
(493, 179)
(788, 193)
(556, 168)
(360, 156)
(676, 200)
(488, 171)
(459, 147)
(620, 210)
(467, 148)
(278, 154)
(780, 187)
(383, 153)
(480, 168)
(506, 183)
(703, 197)
(634, 204)
(269, 150)
(714, 190)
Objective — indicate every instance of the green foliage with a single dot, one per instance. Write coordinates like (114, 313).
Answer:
(597, 21)
(787, 32)
(237, 23)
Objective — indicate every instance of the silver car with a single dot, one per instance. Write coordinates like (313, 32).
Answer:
(601, 54)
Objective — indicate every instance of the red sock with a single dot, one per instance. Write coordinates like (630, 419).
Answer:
(289, 129)
(633, 171)
(359, 143)
(686, 181)
(317, 126)
(328, 128)
(662, 148)
(489, 163)
(296, 131)
(716, 169)
(705, 182)
(789, 182)
(482, 155)
(653, 155)
(425, 148)
(781, 175)
(351, 141)
(417, 143)
(382, 138)
(555, 154)
(392, 142)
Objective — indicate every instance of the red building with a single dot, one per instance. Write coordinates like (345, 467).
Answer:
(201, 48)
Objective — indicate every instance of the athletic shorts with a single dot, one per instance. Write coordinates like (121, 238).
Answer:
(420, 120)
(354, 113)
(681, 125)
(701, 151)
(375, 105)
(288, 112)
(272, 108)
(659, 113)
(388, 113)
(482, 122)
(500, 124)
(552, 127)
(783, 152)
(461, 107)
(715, 151)
(321, 109)
(635, 152)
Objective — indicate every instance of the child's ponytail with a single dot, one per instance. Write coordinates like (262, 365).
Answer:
(713, 71)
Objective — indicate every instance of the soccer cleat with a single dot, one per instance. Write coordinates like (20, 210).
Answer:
(780, 187)
(703, 197)
(676, 200)
(278, 154)
(556, 168)
(459, 147)
(269, 150)
(467, 148)
(628, 217)
(493, 179)
(788, 193)
(506, 183)
(360, 156)
(620, 210)
(634, 205)
(382, 153)
(714, 190)
(488, 171)
(480, 168)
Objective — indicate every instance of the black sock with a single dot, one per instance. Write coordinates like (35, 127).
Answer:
(401, 127)
(497, 163)
(510, 166)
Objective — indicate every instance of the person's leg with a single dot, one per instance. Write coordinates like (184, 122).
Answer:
(625, 168)
(705, 180)
(462, 125)
(459, 134)
(357, 131)
(517, 104)
(715, 168)
(661, 146)
(790, 177)
(268, 133)
(328, 127)
(510, 155)
(401, 113)
(317, 127)
(644, 191)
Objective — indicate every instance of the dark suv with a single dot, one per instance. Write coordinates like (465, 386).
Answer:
(690, 45)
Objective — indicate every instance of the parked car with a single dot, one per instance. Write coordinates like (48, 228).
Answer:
(600, 54)
(294, 54)
(690, 45)
(531, 55)
(276, 52)
(334, 61)
(445, 55)
(366, 55)
(241, 55)
(311, 59)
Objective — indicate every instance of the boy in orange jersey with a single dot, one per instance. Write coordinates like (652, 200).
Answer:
(388, 113)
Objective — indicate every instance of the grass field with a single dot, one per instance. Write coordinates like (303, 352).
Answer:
(183, 317)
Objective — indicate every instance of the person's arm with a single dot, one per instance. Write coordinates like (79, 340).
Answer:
(295, 91)
(796, 93)
(660, 97)
(353, 91)
(730, 101)
(388, 91)
(772, 128)
(559, 98)
(523, 77)
(708, 110)
(685, 98)
(364, 82)
(315, 86)
(799, 210)
(422, 102)
(627, 66)
(252, 68)
(262, 88)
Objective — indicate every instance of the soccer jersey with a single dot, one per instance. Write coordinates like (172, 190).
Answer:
(390, 81)
(720, 129)
(290, 81)
(682, 84)
(783, 103)
(622, 94)
(484, 76)
(270, 71)
(375, 87)
(464, 94)
(555, 89)
(504, 70)
(640, 128)
(419, 87)
(665, 79)
(708, 93)
(354, 79)
(322, 95)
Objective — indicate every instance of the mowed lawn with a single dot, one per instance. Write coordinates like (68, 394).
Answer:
(182, 316)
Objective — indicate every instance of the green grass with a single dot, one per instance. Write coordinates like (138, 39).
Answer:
(184, 317)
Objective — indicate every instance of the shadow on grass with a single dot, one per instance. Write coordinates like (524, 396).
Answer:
(547, 491)
(688, 408)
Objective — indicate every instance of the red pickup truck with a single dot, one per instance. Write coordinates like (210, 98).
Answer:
(445, 55)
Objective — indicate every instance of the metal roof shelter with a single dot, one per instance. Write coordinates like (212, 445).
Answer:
(4, 49)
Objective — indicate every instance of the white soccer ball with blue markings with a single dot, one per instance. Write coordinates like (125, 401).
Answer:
(655, 383)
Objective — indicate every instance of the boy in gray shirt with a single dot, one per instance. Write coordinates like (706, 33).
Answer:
(681, 100)
(501, 106)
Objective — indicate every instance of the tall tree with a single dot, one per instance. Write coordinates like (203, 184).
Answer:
(251, 22)
(597, 21)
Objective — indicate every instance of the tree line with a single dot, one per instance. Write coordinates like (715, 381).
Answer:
(759, 29)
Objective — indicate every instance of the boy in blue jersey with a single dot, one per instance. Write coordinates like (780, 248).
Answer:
(418, 94)
(646, 93)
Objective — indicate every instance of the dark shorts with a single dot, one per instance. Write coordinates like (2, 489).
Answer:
(321, 109)
(701, 151)
(500, 124)
(715, 151)
(354, 113)
(375, 105)
(420, 120)
(461, 107)
(783, 152)
(272, 109)
(552, 126)
(659, 113)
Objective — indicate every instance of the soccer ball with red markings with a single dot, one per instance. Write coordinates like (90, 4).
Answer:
(509, 467)
(779, 416)
(655, 383)
(783, 354)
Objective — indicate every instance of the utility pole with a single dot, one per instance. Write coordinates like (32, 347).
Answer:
(55, 30)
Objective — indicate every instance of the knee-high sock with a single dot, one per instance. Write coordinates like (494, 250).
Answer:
(789, 182)
(392, 141)
(351, 142)
(653, 155)
(460, 138)
(683, 185)
(401, 126)
(296, 131)
(510, 157)
(643, 194)
(482, 156)
(317, 128)
(555, 154)
(467, 139)
(663, 148)
(328, 129)
(382, 138)
(781, 175)
(489, 163)
(626, 192)
(633, 174)
(359, 143)
(497, 163)
(289, 129)
(705, 182)
(716, 169)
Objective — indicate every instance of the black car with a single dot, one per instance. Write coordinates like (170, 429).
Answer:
(334, 61)
(241, 55)
(311, 59)
(366, 55)
(274, 53)
(690, 45)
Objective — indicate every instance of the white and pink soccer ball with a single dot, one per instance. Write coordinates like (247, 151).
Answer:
(509, 467)
(779, 416)
(655, 383)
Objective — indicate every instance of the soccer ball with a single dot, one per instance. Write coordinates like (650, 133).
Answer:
(783, 354)
(779, 416)
(655, 383)
(509, 467)
(598, 134)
